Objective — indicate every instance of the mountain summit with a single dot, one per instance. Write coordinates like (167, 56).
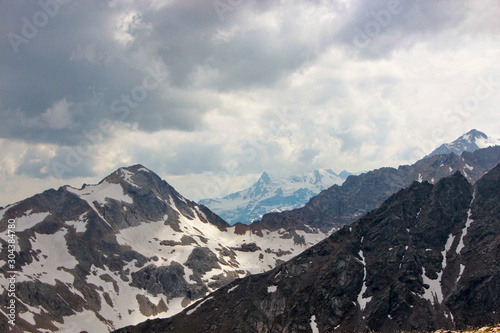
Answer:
(470, 141)
(129, 248)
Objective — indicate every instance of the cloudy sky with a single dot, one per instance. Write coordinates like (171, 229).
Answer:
(210, 93)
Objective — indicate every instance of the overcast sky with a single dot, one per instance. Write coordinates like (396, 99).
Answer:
(211, 93)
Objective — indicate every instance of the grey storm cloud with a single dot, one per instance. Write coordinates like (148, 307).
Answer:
(34, 163)
(75, 55)
(377, 28)
(148, 68)
(195, 158)
(74, 58)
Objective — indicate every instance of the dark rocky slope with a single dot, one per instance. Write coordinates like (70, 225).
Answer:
(428, 258)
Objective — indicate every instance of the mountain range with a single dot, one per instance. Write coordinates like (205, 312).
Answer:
(272, 194)
(341, 205)
(428, 258)
(132, 248)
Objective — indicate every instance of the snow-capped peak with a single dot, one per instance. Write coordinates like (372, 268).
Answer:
(264, 178)
(127, 249)
(470, 141)
(272, 194)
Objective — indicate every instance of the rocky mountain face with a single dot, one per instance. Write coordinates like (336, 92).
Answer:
(470, 141)
(271, 194)
(428, 258)
(343, 204)
(129, 248)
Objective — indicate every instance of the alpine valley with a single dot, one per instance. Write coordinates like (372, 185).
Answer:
(131, 248)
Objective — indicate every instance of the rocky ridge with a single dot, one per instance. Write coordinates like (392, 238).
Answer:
(133, 232)
(341, 205)
(427, 259)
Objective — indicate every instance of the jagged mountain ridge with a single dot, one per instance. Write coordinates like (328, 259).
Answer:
(341, 205)
(470, 141)
(267, 195)
(426, 259)
(257, 247)
(272, 194)
(124, 250)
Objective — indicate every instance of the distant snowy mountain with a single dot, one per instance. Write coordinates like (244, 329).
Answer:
(470, 141)
(270, 194)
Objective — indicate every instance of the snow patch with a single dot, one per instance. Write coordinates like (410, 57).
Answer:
(314, 325)
(53, 255)
(127, 176)
(123, 298)
(29, 221)
(462, 267)
(174, 306)
(363, 301)
(28, 316)
(232, 288)
(434, 292)
(199, 304)
(80, 225)
(465, 230)
(448, 245)
(272, 289)
(101, 193)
